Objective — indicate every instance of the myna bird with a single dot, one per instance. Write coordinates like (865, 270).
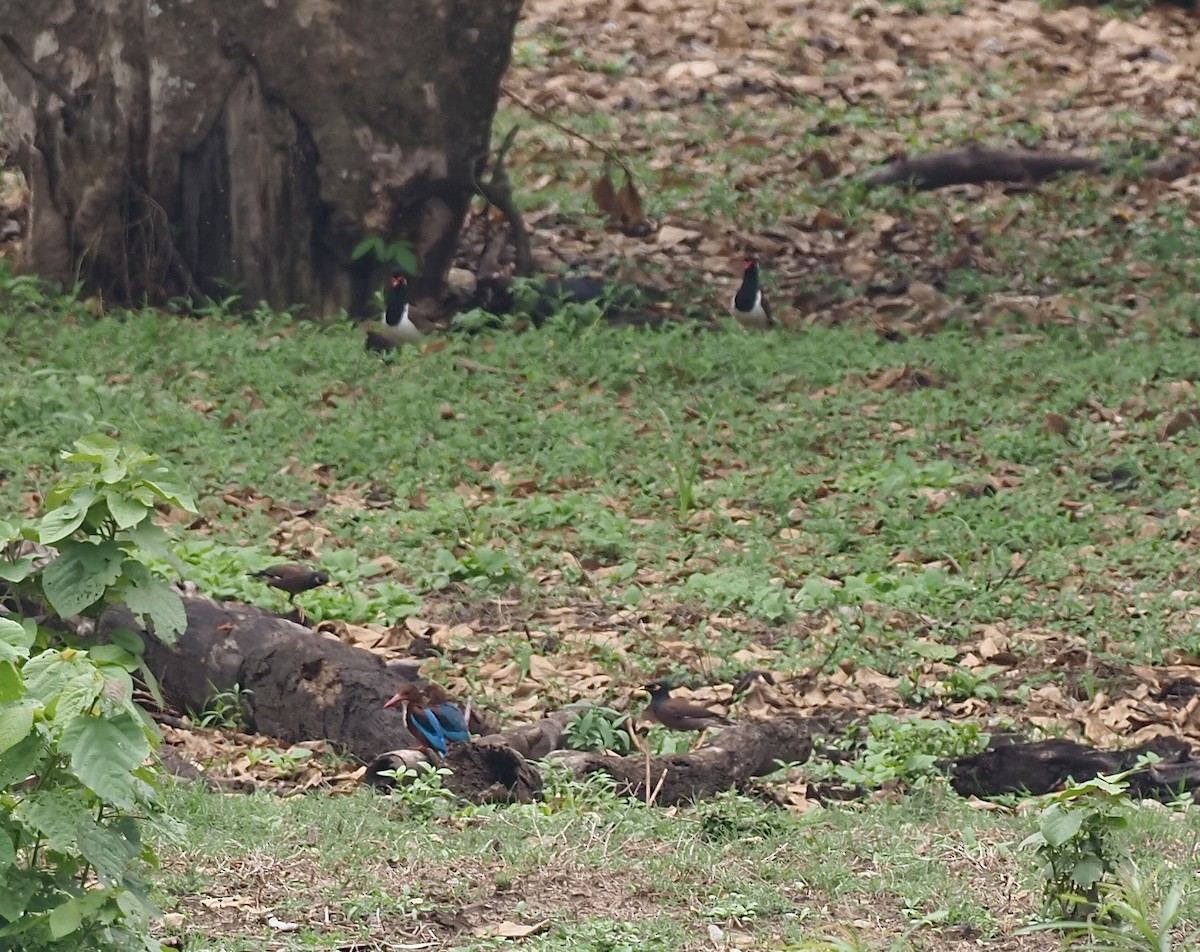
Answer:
(750, 307)
(421, 723)
(293, 578)
(680, 715)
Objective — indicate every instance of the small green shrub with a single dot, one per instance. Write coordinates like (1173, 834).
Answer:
(1130, 918)
(75, 791)
(599, 728)
(906, 751)
(1074, 841)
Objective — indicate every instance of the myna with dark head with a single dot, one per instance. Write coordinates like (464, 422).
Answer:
(678, 714)
(292, 577)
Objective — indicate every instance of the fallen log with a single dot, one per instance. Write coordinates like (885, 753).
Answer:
(301, 686)
(297, 684)
(1012, 766)
(734, 757)
(976, 165)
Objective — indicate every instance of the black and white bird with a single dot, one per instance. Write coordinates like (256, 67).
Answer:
(397, 327)
(750, 307)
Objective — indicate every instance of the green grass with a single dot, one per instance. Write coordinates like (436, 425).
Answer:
(604, 874)
(737, 491)
(737, 474)
(721, 501)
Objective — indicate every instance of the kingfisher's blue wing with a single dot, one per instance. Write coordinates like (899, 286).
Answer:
(453, 722)
(426, 726)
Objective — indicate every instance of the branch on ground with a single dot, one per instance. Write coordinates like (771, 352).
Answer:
(974, 166)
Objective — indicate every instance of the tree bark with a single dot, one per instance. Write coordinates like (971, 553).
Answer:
(186, 146)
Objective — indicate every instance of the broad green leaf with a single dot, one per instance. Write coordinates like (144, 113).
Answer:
(80, 575)
(16, 637)
(12, 685)
(57, 813)
(104, 752)
(16, 721)
(61, 678)
(152, 600)
(112, 655)
(107, 849)
(19, 887)
(96, 448)
(8, 852)
(16, 570)
(149, 537)
(1088, 871)
(1058, 825)
(69, 916)
(171, 490)
(125, 510)
(20, 761)
(131, 641)
(64, 519)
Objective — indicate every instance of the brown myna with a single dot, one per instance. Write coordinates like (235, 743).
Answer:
(293, 578)
(680, 715)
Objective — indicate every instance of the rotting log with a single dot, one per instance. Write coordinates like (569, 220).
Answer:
(298, 685)
(729, 761)
(1010, 765)
(975, 165)
(303, 686)
(189, 146)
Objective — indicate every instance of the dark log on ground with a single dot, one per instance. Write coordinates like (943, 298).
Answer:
(494, 768)
(302, 686)
(732, 758)
(974, 165)
(185, 147)
(1010, 766)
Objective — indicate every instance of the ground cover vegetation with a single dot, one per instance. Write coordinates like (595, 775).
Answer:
(955, 495)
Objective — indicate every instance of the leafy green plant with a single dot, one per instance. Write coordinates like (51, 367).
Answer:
(73, 745)
(741, 590)
(962, 683)
(396, 253)
(1129, 918)
(904, 750)
(1073, 841)
(599, 728)
(732, 817)
(75, 794)
(562, 792)
(100, 518)
(287, 763)
(420, 792)
(478, 565)
(229, 709)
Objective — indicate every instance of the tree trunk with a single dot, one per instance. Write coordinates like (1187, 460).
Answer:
(187, 146)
